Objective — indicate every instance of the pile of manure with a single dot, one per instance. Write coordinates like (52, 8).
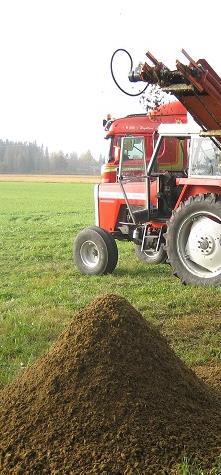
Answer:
(109, 397)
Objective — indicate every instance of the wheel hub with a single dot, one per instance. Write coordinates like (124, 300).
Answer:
(203, 246)
(206, 245)
(89, 254)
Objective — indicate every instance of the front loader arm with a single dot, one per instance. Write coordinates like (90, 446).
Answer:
(196, 85)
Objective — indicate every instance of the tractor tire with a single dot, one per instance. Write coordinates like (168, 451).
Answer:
(95, 251)
(151, 256)
(193, 240)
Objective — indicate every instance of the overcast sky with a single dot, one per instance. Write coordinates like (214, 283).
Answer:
(55, 81)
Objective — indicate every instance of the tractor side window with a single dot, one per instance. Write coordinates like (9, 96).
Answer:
(133, 148)
(108, 150)
(205, 157)
(172, 155)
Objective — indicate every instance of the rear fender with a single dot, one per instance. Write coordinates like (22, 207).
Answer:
(193, 187)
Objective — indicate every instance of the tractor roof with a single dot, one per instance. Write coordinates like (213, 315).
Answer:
(179, 130)
(140, 124)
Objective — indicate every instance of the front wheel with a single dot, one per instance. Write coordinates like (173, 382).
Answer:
(95, 251)
(151, 256)
(193, 240)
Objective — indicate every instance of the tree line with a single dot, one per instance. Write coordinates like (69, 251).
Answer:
(19, 157)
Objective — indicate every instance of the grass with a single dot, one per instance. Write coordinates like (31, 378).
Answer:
(41, 289)
(188, 467)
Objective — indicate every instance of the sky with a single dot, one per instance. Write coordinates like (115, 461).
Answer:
(55, 83)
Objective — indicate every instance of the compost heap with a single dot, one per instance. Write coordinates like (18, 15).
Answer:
(110, 397)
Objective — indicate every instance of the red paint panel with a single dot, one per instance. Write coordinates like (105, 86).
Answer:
(111, 198)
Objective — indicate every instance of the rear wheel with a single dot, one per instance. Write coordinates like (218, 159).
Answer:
(95, 251)
(193, 240)
(151, 256)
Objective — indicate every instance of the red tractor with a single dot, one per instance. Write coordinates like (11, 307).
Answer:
(170, 213)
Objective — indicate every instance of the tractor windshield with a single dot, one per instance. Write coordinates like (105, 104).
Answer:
(133, 148)
(205, 157)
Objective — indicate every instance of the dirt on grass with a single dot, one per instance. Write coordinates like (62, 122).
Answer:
(211, 374)
(110, 397)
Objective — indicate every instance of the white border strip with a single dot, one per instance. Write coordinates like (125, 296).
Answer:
(119, 195)
(96, 205)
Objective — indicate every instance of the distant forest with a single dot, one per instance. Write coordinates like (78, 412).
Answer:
(18, 157)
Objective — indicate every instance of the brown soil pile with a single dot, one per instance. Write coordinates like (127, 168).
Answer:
(110, 397)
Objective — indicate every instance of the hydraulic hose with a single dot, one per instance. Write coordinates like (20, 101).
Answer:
(131, 68)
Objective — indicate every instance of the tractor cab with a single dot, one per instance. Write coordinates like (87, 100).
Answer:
(161, 184)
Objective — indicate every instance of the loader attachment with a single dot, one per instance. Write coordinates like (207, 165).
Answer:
(196, 85)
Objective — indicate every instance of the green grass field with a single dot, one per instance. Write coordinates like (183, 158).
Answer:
(41, 289)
